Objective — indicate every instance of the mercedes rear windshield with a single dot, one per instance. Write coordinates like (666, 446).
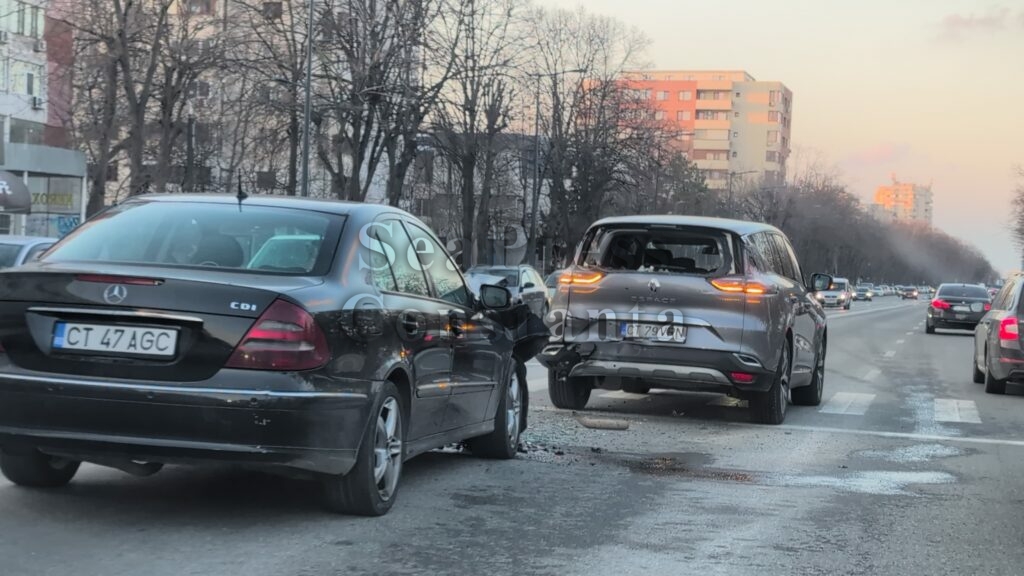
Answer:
(227, 237)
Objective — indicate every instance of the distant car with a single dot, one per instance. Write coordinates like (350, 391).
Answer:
(864, 293)
(688, 303)
(909, 293)
(523, 281)
(998, 351)
(957, 307)
(838, 294)
(17, 250)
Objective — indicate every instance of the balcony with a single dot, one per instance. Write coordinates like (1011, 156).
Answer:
(712, 164)
(712, 124)
(700, 144)
(725, 104)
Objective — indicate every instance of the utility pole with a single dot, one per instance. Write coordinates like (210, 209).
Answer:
(307, 112)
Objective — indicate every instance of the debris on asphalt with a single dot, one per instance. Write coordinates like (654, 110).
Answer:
(603, 423)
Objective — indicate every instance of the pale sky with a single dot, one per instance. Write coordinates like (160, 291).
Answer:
(931, 90)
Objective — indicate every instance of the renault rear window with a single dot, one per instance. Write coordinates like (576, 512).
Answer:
(666, 250)
(250, 239)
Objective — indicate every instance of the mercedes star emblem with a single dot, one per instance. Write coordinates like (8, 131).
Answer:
(654, 285)
(115, 294)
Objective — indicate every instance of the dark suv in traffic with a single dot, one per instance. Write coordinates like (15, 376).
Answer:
(687, 303)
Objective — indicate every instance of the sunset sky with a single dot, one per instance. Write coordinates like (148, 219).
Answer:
(930, 90)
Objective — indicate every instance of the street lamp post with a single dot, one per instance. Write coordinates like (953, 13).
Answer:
(534, 207)
(307, 112)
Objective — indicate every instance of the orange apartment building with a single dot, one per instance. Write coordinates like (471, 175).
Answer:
(904, 202)
(732, 124)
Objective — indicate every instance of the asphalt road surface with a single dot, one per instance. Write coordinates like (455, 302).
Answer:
(906, 468)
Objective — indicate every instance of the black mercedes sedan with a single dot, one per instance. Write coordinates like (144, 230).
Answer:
(335, 339)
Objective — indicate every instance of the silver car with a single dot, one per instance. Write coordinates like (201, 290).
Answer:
(17, 250)
(687, 303)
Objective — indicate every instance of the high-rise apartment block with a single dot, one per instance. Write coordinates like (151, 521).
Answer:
(905, 201)
(733, 126)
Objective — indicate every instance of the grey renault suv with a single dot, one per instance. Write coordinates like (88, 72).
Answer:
(687, 303)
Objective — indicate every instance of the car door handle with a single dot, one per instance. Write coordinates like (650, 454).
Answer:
(411, 324)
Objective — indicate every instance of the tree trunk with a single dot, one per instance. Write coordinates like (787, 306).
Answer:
(468, 168)
(483, 212)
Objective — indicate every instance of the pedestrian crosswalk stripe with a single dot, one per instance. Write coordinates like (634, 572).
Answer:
(953, 410)
(872, 374)
(851, 403)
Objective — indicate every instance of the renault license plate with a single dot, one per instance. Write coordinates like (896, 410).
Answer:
(659, 332)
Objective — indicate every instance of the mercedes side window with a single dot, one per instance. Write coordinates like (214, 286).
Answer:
(408, 274)
(381, 260)
(439, 267)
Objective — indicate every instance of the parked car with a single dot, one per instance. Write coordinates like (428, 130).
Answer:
(864, 293)
(957, 307)
(17, 250)
(146, 337)
(838, 295)
(522, 281)
(998, 351)
(689, 303)
(909, 293)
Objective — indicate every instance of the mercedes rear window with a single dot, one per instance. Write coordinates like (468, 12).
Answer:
(239, 238)
(963, 292)
(667, 250)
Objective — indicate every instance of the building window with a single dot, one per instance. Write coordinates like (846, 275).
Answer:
(272, 10)
(734, 154)
(647, 94)
(712, 95)
(34, 25)
(30, 84)
(774, 116)
(773, 97)
(771, 156)
(663, 95)
(201, 7)
(737, 94)
(685, 95)
(5, 223)
(659, 115)
(25, 132)
(21, 9)
(683, 115)
(773, 137)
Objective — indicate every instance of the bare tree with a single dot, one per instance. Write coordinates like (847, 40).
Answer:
(595, 121)
(476, 108)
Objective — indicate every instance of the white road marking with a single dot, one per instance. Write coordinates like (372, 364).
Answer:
(620, 395)
(911, 333)
(900, 341)
(889, 353)
(850, 403)
(953, 410)
(872, 374)
(902, 435)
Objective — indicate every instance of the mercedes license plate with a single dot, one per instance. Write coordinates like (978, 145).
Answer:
(115, 340)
